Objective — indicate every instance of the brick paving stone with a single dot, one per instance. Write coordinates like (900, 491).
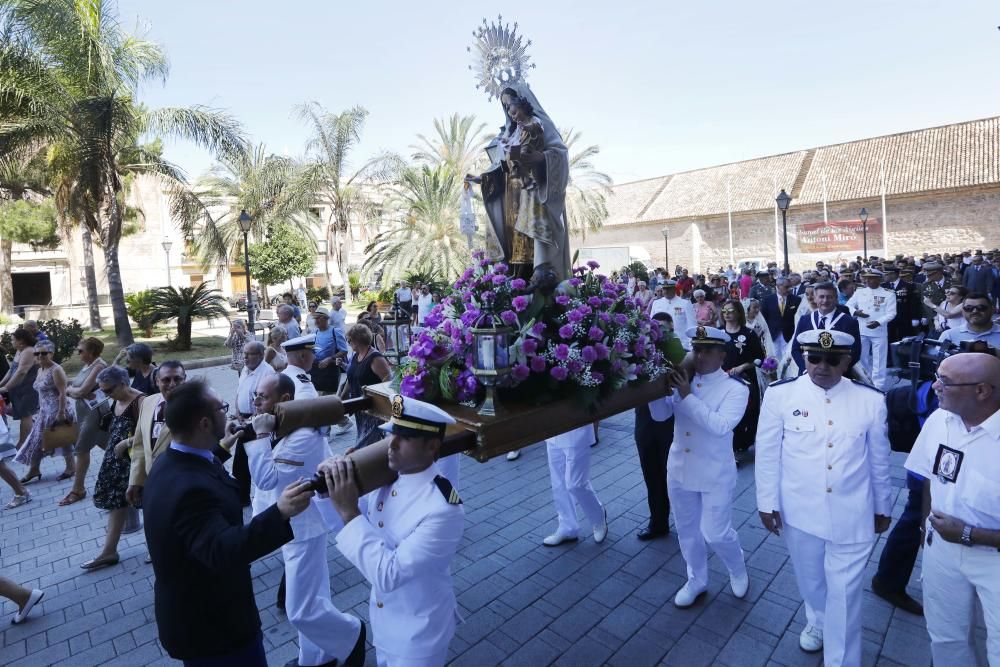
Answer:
(524, 604)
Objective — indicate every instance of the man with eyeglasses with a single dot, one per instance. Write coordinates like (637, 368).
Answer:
(977, 309)
(957, 454)
(822, 472)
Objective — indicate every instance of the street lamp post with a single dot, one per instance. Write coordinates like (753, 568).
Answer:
(864, 230)
(166, 251)
(245, 222)
(783, 201)
(666, 250)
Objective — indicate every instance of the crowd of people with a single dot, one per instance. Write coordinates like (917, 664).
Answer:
(767, 359)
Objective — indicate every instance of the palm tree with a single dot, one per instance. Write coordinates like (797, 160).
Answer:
(270, 188)
(427, 236)
(587, 190)
(69, 75)
(458, 145)
(346, 194)
(185, 305)
(22, 177)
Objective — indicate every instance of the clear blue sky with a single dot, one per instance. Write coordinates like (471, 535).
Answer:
(659, 86)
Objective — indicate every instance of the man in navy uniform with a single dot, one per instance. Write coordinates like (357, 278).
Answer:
(405, 541)
(822, 471)
(828, 315)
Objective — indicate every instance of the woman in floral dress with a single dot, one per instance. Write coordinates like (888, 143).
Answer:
(54, 408)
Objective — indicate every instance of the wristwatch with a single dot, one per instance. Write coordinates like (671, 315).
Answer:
(967, 535)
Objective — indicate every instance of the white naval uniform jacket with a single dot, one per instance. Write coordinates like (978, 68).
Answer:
(823, 458)
(303, 383)
(880, 306)
(404, 546)
(296, 455)
(701, 458)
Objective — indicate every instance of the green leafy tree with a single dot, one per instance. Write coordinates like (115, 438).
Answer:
(22, 179)
(30, 222)
(588, 189)
(287, 254)
(70, 76)
(457, 143)
(142, 308)
(185, 305)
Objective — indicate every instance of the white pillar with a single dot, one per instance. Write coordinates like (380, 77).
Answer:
(885, 216)
(695, 247)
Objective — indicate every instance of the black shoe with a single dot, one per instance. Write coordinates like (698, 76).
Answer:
(279, 603)
(357, 656)
(899, 599)
(647, 534)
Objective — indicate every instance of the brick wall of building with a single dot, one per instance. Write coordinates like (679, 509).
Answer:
(937, 222)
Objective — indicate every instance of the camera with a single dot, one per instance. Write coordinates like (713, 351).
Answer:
(248, 433)
(926, 354)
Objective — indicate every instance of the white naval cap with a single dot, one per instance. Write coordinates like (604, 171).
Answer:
(871, 273)
(299, 343)
(411, 417)
(825, 340)
(707, 336)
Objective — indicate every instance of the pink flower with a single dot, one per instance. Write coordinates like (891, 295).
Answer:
(519, 303)
(561, 351)
(538, 364)
(520, 372)
(566, 331)
(559, 373)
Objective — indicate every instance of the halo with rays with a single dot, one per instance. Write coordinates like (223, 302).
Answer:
(500, 57)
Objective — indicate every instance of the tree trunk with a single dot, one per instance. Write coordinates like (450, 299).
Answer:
(123, 328)
(90, 276)
(326, 255)
(183, 333)
(6, 281)
(343, 251)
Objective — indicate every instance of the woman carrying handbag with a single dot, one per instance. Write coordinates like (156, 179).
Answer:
(56, 418)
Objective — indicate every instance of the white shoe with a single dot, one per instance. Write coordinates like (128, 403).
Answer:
(558, 538)
(811, 639)
(33, 599)
(601, 529)
(687, 595)
(514, 455)
(740, 584)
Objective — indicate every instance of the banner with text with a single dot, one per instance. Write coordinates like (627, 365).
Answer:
(835, 236)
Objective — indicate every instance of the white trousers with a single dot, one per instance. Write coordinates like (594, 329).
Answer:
(779, 346)
(874, 355)
(954, 575)
(830, 576)
(325, 633)
(701, 517)
(569, 470)
(387, 660)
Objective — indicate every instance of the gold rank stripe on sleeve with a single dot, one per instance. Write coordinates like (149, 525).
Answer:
(289, 462)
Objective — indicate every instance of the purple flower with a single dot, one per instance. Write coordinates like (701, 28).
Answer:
(595, 333)
(499, 280)
(529, 346)
(518, 284)
(575, 282)
(588, 354)
(422, 348)
(598, 377)
(467, 274)
(509, 317)
(519, 303)
(469, 317)
(538, 328)
(602, 351)
(566, 331)
(434, 318)
(467, 385)
(574, 316)
(561, 352)
(538, 364)
(621, 319)
(604, 317)
(575, 366)
(562, 300)
(412, 386)
(559, 373)
(618, 365)
(520, 372)
(620, 347)
(594, 301)
(500, 267)
(594, 265)
(487, 296)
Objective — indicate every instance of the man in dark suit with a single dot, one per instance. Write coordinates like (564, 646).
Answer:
(828, 315)
(908, 308)
(978, 276)
(201, 551)
(779, 311)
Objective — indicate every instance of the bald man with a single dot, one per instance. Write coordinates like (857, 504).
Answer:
(958, 453)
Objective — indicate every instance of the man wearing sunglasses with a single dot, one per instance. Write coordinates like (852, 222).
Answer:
(822, 472)
(875, 308)
(152, 437)
(977, 309)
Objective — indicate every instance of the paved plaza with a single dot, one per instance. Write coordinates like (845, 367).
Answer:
(523, 604)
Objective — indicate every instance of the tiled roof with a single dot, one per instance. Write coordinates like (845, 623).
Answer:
(951, 156)
(936, 158)
(704, 191)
